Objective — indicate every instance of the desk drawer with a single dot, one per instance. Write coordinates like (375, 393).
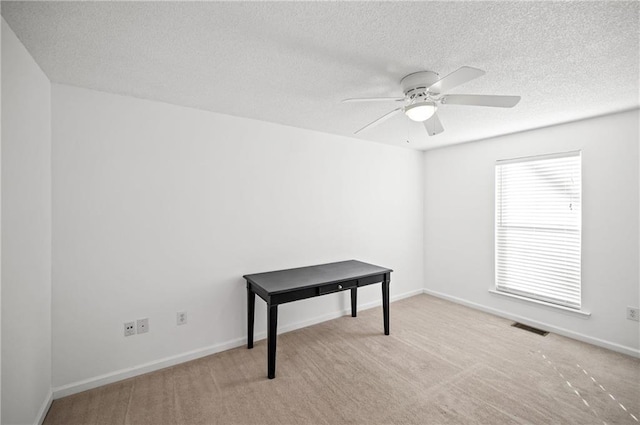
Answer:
(371, 279)
(334, 287)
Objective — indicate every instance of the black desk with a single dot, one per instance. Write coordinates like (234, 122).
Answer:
(284, 286)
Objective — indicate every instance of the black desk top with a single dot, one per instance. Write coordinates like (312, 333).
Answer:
(304, 277)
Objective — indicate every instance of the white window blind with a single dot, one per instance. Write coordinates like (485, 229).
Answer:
(538, 228)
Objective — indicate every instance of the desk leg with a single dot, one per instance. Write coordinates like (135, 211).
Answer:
(272, 334)
(251, 308)
(385, 304)
(354, 302)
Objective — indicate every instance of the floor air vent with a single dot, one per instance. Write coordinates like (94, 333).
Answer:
(530, 329)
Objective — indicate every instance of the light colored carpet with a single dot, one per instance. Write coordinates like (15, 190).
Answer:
(442, 364)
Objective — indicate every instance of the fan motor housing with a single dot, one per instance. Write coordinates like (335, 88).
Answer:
(418, 82)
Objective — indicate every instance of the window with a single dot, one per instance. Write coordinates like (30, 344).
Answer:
(538, 228)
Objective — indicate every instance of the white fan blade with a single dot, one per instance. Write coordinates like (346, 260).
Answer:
(379, 120)
(373, 99)
(457, 77)
(481, 100)
(433, 125)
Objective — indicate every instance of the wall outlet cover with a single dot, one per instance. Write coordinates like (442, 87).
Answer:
(143, 325)
(129, 328)
(181, 318)
(633, 313)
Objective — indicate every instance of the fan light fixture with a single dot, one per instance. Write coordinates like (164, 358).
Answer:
(421, 111)
(424, 90)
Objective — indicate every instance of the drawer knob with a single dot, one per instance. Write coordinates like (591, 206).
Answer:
(339, 286)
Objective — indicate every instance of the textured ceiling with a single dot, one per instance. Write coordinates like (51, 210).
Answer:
(292, 62)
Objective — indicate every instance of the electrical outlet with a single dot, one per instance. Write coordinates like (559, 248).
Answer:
(181, 318)
(143, 325)
(129, 329)
(633, 313)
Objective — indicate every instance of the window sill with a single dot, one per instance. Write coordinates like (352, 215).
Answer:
(543, 303)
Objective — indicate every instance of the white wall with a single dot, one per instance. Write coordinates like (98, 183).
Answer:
(26, 235)
(1, 24)
(459, 225)
(159, 209)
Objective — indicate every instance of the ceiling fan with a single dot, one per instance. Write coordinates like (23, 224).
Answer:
(424, 90)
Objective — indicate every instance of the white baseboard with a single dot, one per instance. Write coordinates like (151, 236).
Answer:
(119, 375)
(44, 409)
(560, 331)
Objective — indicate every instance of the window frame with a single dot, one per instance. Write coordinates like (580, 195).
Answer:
(500, 230)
